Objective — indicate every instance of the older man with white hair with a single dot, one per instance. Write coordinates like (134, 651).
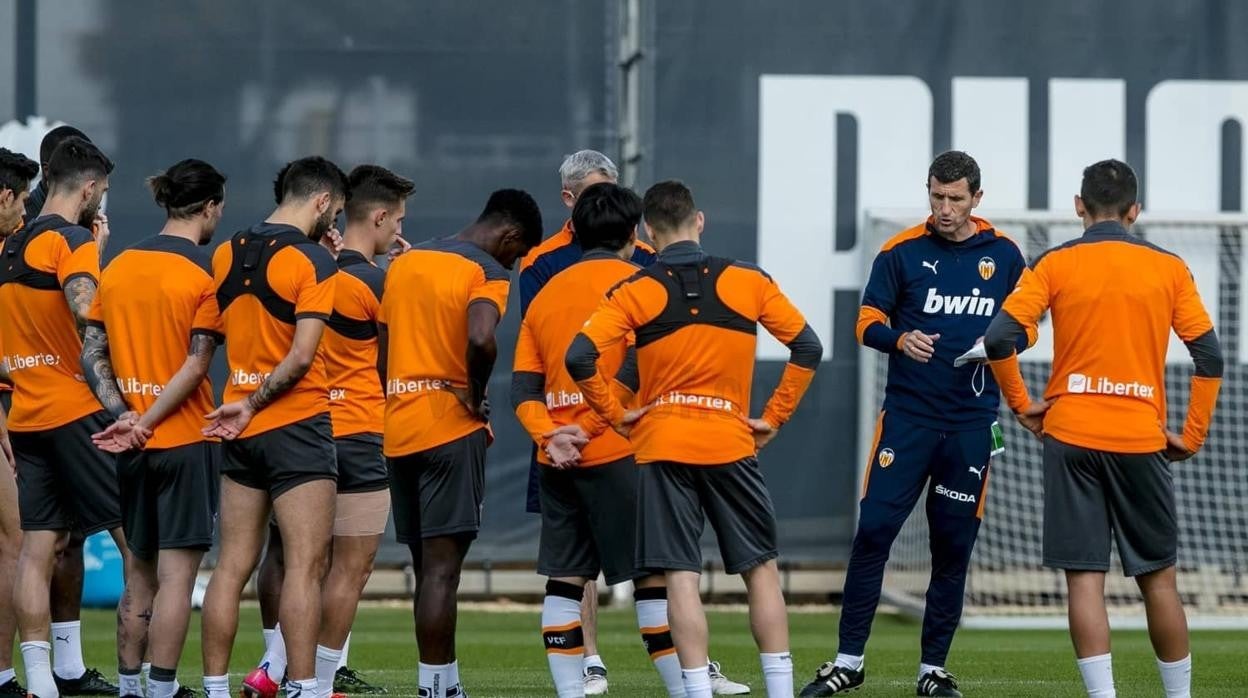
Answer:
(579, 171)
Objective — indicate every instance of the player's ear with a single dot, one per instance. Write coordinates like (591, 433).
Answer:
(379, 217)
(323, 200)
(1080, 209)
(701, 221)
(569, 199)
(1133, 213)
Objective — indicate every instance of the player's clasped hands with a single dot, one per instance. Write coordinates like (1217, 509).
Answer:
(229, 420)
(919, 346)
(123, 435)
(564, 445)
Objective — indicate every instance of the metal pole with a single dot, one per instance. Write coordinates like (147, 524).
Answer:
(24, 42)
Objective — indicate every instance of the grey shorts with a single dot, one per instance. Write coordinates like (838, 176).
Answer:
(63, 481)
(589, 522)
(676, 500)
(169, 498)
(439, 491)
(283, 458)
(1093, 496)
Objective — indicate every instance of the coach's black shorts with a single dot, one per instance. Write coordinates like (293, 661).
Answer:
(1091, 496)
(589, 522)
(361, 464)
(63, 481)
(168, 498)
(283, 458)
(675, 501)
(439, 491)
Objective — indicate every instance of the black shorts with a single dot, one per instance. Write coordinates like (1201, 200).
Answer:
(361, 464)
(439, 491)
(1093, 496)
(283, 458)
(589, 522)
(169, 498)
(675, 501)
(63, 481)
(6, 401)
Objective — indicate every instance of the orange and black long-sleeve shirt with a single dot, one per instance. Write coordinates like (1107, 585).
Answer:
(267, 278)
(425, 313)
(153, 298)
(38, 330)
(357, 402)
(1114, 299)
(695, 319)
(543, 393)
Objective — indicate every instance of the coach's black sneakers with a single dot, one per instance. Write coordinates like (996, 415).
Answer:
(346, 680)
(833, 680)
(91, 683)
(12, 688)
(938, 682)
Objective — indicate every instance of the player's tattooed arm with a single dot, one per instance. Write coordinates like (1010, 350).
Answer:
(97, 368)
(185, 382)
(293, 367)
(79, 292)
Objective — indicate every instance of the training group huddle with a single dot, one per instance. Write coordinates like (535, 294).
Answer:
(354, 390)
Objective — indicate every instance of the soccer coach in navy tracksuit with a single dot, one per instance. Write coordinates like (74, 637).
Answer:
(932, 291)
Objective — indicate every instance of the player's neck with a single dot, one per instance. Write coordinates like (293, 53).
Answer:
(662, 242)
(1089, 221)
(357, 240)
(63, 206)
(185, 229)
(294, 216)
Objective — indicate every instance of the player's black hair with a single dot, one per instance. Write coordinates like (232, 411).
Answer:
(517, 208)
(668, 205)
(16, 171)
(309, 176)
(75, 160)
(371, 186)
(952, 165)
(55, 137)
(1109, 187)
(606, 216)
(186, 188)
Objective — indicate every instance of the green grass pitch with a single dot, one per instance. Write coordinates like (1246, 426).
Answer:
(500, 654)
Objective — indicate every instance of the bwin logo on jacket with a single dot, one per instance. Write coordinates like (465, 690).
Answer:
(973, 304)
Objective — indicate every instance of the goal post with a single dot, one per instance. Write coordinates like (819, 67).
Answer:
(1007, 585)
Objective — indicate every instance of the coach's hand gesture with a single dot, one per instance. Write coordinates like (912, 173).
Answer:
(229, 420)
(1176, 447)
(919, 346)
(1032, 418)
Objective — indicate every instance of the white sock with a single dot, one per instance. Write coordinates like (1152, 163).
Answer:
(130, 684)
(657, 638)
(697, 682)
(217, 686)
(565, 644)
(268, 637)
(593, 660)
(275, 656)
(1176, 677)
(777, 673)
(346, 648)
(67, 659)
(7, 675)
(850, 661)
(326, 665)
(452, 680)
(432, 680)
(163, 683)
(145, 672)
(39, 680)
(1098, 676)
(305, 688)
(925, 669)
